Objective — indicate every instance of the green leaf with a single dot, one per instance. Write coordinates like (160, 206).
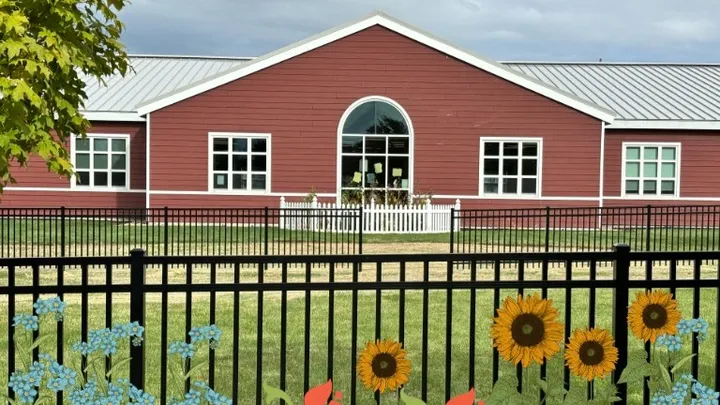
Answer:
(272, 393)
(93, 361)
(40, 340)
(194, 369)
(663, 370)
(636, 369)
(680, 363)
(116, 365)
(505, 391)
(408, 400)
(577, 395)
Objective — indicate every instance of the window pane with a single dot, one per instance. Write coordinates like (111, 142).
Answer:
(668, 153)
(101, 179)
(352, 144)
(259, 163)
(510, 149)
(220, 180)
(632, 187)
(490, 186)
(259, 145)
(649, 187)
(633, 153)
(529, 167)
(509, 186)
(258, 182)
(650, 169)
(239, 182)
(668, 170)
(632, 169)
(399, 145)
(510, 167)
(220, 144)
(351, 171)
(100, 161)
(529, 186)
(492, 166)
(220, 162)
(376, 172)
(118, 179)
(82, 179)
(361, 120)
(82, 161)
(375, 145)
(118, 162)
(82, 144)
(239, 163)
(650, 153)
(492, 149)
(118, 145)
(100, 144)
(530, 148)
(239, 144)
(667, 187)
(389, 120)
(397, 173)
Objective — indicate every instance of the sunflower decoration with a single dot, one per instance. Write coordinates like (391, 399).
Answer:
(591, 353)
(653, 314)
(383, 365)
(527, 330)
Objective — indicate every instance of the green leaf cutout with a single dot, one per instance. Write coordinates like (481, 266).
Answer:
(116, 365)
(408, 400)
(194, 369)
(272, 393)
(576, 396)
(681, 362)
(636, 369)
(40, 340)
(505, 391)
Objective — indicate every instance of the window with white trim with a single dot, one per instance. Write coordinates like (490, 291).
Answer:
(239, 162)
(510, 166)
(651, 169)
(102, 161)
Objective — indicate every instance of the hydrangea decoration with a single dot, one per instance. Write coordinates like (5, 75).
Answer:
(185, 350)
(697, 326)
(704, 395)
(673, 343)
(27, 321)
(52, 305)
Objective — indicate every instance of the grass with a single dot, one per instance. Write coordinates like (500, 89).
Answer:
(341, 356)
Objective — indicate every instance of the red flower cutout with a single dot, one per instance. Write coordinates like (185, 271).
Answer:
(319, 395)
(467, 398)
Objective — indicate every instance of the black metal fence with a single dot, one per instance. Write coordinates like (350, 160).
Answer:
(297, 327)
(44, 232)
(644, 228)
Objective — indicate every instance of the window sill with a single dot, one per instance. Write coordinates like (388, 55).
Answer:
(105, 189)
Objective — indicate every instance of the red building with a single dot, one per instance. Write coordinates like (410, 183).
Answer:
(378, 109)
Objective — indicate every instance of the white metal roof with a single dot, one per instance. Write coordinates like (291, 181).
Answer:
(151, 77)
(650, 95)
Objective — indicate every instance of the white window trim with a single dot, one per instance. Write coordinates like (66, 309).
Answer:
(268, 162)
(73, 182)
(678, 158)
(519, 196)
(411, 146)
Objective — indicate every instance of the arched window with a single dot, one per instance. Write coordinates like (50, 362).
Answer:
(375, 153)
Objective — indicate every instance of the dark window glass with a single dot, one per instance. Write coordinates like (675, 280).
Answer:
(118, 179)
(529, 149)
(352, 144)
(376, 172)
(492, 166)
(397, 172)
(374, 145)
(220, 144)
(239, 145)
(510, 167)
(101, 178)
(632, 187)
(389, 120)
(220, 162)
(529, 186)
(258, 182)
(259, 163)
(82, 179)
(491, 186)
(510, 149)
(82, 144)
(399, 145)
(240, 181)
(118, 162)
(529, 167)
(259, 145)
(220, 180)
(649, 187)
(492, 149)
(361, 120)
(510, 186)
(351, 171)
(82, 161)
(667, 187)
(239, 163)
(100, 144)
(118, 145)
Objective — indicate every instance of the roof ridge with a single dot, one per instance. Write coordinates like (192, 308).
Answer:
(596, 63)
(166, 56)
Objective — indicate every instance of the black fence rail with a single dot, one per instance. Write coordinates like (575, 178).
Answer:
(295, 327)
(644, 228)
(166, 231)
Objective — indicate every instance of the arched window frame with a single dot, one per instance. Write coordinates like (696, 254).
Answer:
(411, 142)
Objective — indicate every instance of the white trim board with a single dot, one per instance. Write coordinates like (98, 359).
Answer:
(121, 116)
(74, 190)
(235, 194)
(664, 124)
(383, 20)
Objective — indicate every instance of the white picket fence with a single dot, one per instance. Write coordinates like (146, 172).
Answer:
(376, 218)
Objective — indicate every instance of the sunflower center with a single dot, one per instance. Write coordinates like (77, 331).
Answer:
(654, 316)
(384, 365)
(528, 330)
(591, 353)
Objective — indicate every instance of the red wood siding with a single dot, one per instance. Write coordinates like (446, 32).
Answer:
(699, 163)
(37, 175)
(301, 101)
(74, 199)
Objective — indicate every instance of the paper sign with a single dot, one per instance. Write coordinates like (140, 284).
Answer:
(357, 177)
(220, 180)
(378, 168)
(404, 183)
(397, 173)
(371, 178)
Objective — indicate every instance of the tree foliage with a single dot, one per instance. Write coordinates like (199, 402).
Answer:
(46, 48)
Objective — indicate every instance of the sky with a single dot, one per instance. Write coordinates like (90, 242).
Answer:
(532, 30)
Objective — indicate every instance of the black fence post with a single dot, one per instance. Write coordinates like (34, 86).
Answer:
(165, 214)
(361, 225)
(137, 314)
(266, 230)
(62, 231)
(621, 276)
(452, 230)
(547, 229)
(648, 228)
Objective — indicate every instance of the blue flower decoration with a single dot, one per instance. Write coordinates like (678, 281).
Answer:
(185, 350)
(193, 397)
(29, 322)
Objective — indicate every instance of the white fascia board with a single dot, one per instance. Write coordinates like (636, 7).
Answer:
(402, 29)
(112, 116)
(665, 124)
